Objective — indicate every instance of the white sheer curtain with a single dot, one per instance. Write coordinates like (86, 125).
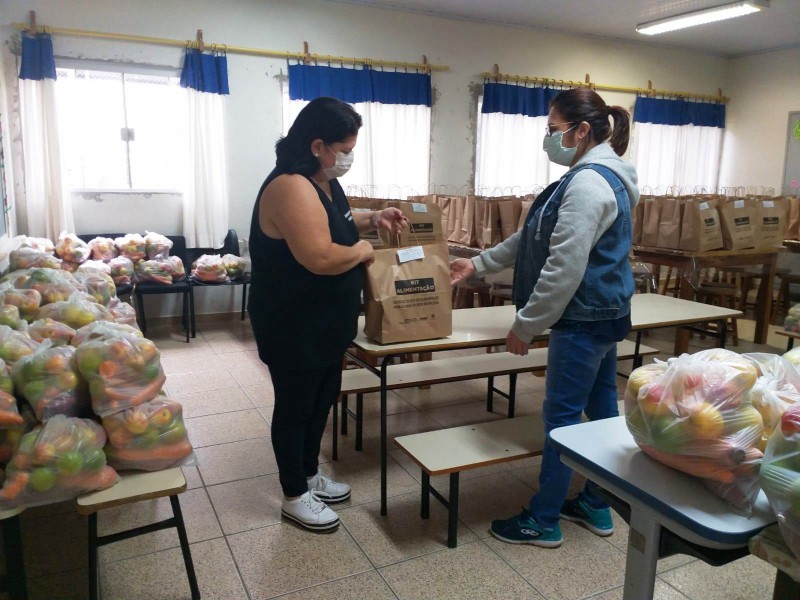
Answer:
(509, 156)
(392, 157)
(48, 209)
(205, 191)
(684, 156)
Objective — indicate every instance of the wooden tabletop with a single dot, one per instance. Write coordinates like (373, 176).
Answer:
(709, 253)
(489, 326)
(132, 487)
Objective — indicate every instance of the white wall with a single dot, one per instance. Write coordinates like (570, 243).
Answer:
(253, 117)
(764, 89)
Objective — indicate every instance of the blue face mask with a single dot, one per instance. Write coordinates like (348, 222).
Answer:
(556, 152)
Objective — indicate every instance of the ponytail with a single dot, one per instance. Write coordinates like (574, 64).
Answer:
(584, 104)
(621, 133)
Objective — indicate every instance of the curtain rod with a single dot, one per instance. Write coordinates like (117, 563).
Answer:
(302, 56)
(648, 91)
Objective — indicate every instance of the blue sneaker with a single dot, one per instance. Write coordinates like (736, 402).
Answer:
(596, 520)
(523, 529)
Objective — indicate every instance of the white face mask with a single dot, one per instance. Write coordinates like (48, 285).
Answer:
(343, 163)
(556, 151)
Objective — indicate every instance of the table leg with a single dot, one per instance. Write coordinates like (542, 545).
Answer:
(640, 567)
(685, 292)
(384, 366)
(15, 564)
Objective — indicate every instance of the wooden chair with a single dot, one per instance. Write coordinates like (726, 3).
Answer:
(135, 487)
(721, 287)
(783, 301)
(500, 294)
(465, 291)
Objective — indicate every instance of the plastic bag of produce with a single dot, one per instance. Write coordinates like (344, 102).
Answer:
(55, 462)
(696, 417)
(57, 332)
(123, 313)
(122, 372)
(148, 437)
(72, 248)
(98, 284)
(41, 244)
(178, 270)
(780, 476)
(9, 413)
(210, 268)
(234, 265)
(26, 301)
(121, 270)
(10, 435)
(48, 379)
(93, 265)
(15, 344)
(103, 249)
(79, 310)
(157, 271)
(103, 330)
(132, 246)
(156, 245)
(30, 258)
(9, 315)
(54, 286)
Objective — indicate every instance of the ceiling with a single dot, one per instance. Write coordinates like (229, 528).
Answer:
(772, 28)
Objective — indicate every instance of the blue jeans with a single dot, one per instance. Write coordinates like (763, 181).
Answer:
(581, 377)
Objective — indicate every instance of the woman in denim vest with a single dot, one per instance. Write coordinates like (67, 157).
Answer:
(571, 274)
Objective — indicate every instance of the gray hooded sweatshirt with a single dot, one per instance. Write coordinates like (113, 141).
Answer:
(587, 210)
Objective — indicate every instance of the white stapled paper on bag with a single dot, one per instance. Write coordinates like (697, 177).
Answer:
(419, 207)
(412, 253)
(738, 204)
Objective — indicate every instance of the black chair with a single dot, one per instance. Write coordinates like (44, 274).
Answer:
(229, 246)
(122, 290)
(184, 286)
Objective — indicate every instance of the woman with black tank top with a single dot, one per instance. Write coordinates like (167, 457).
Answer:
(306, 294)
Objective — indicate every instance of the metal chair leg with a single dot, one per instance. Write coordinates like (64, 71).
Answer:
(187, 554)
(94, 579)
(15, 564)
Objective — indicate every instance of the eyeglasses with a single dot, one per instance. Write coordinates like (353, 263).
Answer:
(548, 131)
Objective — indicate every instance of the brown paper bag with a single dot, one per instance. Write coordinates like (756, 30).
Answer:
(650, 221)
(510, 210)
(700, 228)
(407, 294)
(637, 220)
(466, 235)
(792, 205)
(425, 226)
(669, 226)
(525, 209)
(770, 223)
(737, 219)
(487, 223)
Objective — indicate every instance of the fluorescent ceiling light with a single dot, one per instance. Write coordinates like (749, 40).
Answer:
(701, 17)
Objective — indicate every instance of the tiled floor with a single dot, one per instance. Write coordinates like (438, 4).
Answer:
(242, 549)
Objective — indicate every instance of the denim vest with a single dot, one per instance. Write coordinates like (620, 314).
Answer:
(607, 285)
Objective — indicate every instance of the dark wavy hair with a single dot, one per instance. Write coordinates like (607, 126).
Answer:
(328, 119)
(584, 104)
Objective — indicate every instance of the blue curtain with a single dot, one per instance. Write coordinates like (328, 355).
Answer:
(307, 82)
(37, 57)
(660, 111)
(205, 72)
(517, 99)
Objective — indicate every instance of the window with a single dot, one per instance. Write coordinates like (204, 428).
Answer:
(120, 130)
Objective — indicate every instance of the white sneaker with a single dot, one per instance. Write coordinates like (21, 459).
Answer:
(309, 512)
(328, 490)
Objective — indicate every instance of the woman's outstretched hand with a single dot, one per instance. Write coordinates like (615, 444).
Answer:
(461, 268)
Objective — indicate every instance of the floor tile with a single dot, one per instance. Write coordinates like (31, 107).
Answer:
(198, 516)
(227, 427)
(250, 374)
(662, 591)
(260, 394)
(464, 414)
(200, 381)
(584, 564)
(162, 575)
(468, 572)
(266, 412)
(248, 503)
(176, 363)
(401, 534)
(202, 403)
(368, 585)
(236, 460)
(372, 405)
(744, 579)
(440, 395)
(192, 476)
(270, 564)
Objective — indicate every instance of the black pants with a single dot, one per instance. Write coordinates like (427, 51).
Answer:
(303, 399)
